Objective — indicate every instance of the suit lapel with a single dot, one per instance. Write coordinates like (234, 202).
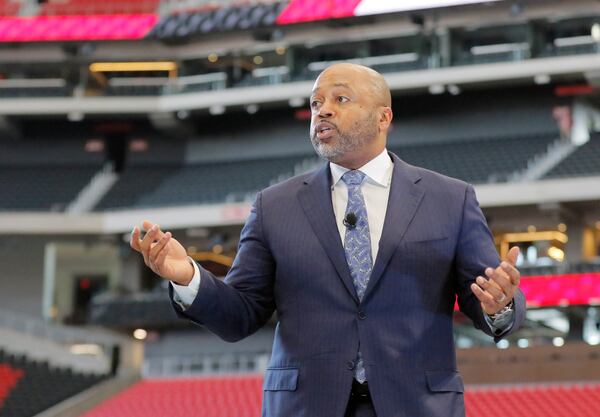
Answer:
(315, 199)
(405, 197)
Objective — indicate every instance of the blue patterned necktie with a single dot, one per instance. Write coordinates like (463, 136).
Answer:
(357, 245)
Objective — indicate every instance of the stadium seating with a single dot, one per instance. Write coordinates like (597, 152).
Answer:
(240, 396)
(184, 24)
(89, 7)
(140, 310)
(160, 185)
(562, 400)
(583, 162)
(87, 27)
(9, 7)
(477, 161)
(27, 388)
(49, 188)
(38, 175)
(147, 184)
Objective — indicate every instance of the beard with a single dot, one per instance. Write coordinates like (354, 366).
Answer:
(361, 133)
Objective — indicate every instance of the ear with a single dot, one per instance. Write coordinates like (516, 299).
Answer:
(385, 118)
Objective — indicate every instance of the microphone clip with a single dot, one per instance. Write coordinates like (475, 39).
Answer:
(350, 221)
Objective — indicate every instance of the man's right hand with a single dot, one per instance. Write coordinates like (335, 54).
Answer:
(163, 254)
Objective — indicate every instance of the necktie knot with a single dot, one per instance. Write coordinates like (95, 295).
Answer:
(353, 177)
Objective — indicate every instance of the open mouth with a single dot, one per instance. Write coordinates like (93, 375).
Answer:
(324, 131)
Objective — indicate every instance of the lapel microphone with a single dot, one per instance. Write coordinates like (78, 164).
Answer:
(350, 220)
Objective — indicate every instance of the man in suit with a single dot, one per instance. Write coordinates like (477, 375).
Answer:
(363, 261)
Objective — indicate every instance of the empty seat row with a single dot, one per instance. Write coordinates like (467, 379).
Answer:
(241, 395)
(29, 387)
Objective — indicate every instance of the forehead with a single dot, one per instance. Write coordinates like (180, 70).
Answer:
(322, 87)
(331, 78)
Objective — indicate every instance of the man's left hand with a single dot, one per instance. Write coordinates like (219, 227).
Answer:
(498, 290)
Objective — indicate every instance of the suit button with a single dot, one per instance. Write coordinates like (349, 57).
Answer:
(362, 315)
(350, 365)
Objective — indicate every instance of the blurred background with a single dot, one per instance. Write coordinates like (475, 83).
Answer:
(179, 111)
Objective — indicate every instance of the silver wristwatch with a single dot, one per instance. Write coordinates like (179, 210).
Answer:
(505, 310)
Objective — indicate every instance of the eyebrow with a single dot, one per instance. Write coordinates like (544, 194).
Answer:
(335, 85)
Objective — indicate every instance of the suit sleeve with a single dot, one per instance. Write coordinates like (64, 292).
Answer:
(243, 302)
(476, 251)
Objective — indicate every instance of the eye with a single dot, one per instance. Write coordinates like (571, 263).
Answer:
(315, 104)
(342, 99)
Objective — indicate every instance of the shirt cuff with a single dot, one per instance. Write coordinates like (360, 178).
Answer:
(184, 295)
(502, 322)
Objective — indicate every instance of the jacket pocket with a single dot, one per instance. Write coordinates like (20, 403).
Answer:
(444, 381)
(280, 379)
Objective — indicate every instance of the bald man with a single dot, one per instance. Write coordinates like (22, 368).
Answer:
(363, 260)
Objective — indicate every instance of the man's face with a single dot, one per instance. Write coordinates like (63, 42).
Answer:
(344, 115)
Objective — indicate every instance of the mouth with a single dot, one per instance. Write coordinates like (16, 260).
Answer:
(324, 130)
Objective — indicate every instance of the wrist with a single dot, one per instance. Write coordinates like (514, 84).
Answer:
(188, 275)
(503, 311)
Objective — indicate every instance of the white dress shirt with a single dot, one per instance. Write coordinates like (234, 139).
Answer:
(376, 191)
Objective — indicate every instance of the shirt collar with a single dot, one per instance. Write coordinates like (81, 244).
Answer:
(378, 170)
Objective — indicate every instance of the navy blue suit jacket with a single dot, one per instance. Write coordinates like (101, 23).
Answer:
(435, 241)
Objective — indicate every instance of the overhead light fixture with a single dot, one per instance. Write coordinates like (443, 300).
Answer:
(523, 343)
(541, 79)
(133, 66)
(280, 50)
(454, 90)
(595, 32)
(140, 334)
(216, 110)
(86, 349)
(562, 227)
(299, 102)
(251, 108)
(500, 48)
(183, 114)
(213, 58)
(100, 67)
(558, 341)
(556, 253)
(258, 60)
(75, 116)
(436, 89)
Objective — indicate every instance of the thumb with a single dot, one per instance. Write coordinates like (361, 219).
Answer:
(512, 255)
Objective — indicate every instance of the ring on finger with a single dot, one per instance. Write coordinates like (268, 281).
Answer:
(501, 298)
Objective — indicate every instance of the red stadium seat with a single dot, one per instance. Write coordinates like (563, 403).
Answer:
(9, 7)
(9, 377)
(211, 397)
(241, 396)
(89, 7)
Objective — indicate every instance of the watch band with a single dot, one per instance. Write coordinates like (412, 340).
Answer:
(506, 309)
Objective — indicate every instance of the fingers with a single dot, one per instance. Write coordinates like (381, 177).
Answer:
(153, 235)
(486, 299)
(144, 245)
(492, 288)
(512, 255)
(134, 242)
(513, 273)
(159, 251)
(501, 280)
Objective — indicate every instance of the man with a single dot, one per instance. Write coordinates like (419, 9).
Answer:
(363, 260)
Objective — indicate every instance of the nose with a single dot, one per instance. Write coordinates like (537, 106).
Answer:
(325, 111)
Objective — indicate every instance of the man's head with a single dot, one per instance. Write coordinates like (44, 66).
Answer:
(351, 114)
